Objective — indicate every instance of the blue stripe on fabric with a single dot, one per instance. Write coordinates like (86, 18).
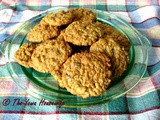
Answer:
(155, 42)
(153, 2)
(148, 23)
(10, 117)
(154, 68)
(3, 36)
(137, 16)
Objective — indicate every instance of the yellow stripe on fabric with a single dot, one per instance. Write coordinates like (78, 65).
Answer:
(154, 32)
(142, 93)
(12, 94)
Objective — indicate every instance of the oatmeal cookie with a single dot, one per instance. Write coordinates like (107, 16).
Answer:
(119, 57)
(57, 74)
(83, 14)
(86, 74)
(106, 28)
(120, 39)
(50, 55)
(23, 54)
(110, 32)
(82, 33)
(42, 33)
(61, 35)
(58, 19)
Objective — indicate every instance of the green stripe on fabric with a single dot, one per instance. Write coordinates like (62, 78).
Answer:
(6, 7)
(101, 7)
(4, 71)
(116, 8)
(134, 104)
(147, 101)
(22, 7)
(118, 105)
(74, 6)
(138, 104)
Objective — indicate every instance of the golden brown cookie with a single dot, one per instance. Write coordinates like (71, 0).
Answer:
(50, 55)
(86, 74)
(83, 14)
(110, 32)
(57, 74)
(61, 35)
(119, 57)
(120, 39)
(58, 19)
(82, 33)
(23, 54)
(106, 28)
(42, 33)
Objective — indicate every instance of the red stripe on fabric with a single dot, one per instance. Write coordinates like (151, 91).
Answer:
(69, 5)
(7, 3)
(50, 3)
(84, 113)
(153, 82)
(2, 64)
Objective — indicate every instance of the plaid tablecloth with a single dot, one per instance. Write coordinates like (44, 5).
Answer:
(141, 103)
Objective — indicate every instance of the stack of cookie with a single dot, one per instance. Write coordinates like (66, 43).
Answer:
(82, 54)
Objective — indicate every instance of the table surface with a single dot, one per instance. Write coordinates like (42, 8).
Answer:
(142, 102)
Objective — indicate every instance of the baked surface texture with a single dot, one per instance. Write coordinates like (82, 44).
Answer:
(86, 74)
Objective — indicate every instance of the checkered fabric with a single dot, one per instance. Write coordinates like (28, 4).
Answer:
(141, 103)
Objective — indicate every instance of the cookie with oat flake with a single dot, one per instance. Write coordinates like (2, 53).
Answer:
(82, 33)
(58, 19)
(50, 55)
(118, 37)
(24, 53)
(119, 57)
(86, 74)
(41, 33)
(83, 14)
